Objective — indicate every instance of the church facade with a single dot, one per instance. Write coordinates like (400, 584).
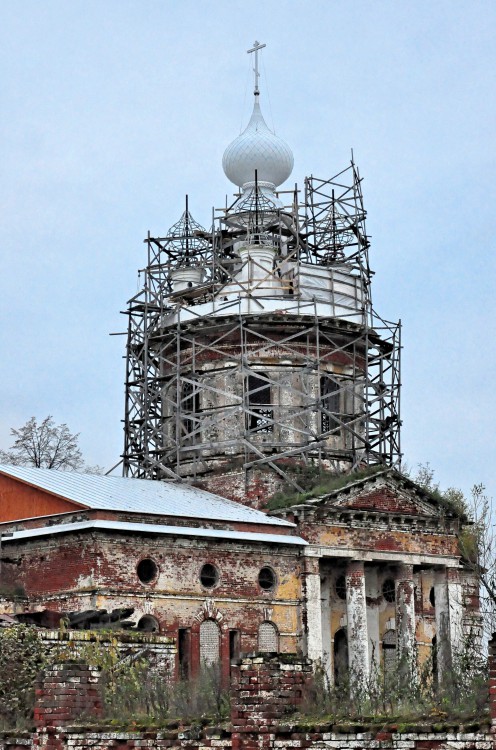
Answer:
(254, 358)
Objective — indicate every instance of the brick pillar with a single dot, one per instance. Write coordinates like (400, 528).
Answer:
(313, 608)
(66, 693)
(356, 612)
(405, 616)
(492, 681)
(264, 690)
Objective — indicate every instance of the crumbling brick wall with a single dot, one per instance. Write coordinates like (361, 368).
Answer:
(266, 689)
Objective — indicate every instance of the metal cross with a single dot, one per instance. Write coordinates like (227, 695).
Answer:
(256, 47)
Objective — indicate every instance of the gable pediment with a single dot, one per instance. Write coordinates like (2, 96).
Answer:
(384, 492)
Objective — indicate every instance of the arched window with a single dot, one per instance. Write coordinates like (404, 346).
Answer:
(389, 652)
(148, 624)
(340, 657)
(260, 418)
(268, 638)
(329, 399)
(209, 643)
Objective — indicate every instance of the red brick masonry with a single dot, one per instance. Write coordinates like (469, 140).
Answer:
(266, 690)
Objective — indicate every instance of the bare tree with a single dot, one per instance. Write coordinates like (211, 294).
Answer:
(44, 445)
(477, 538)
(478, 546)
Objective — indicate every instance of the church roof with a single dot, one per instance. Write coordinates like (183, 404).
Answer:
(138, 495)
(152, 528)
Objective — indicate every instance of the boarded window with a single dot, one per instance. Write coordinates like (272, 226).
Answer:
(261, 416)
(389, 652)
(268, 640)
(209, 643)
(329, 399)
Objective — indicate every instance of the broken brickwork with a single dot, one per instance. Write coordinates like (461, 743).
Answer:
(266, 689)
(265, 694)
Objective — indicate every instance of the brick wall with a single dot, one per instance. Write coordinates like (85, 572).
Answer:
(266, 690)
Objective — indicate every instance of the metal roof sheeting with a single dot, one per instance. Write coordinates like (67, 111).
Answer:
(139, 495)
(151, 528)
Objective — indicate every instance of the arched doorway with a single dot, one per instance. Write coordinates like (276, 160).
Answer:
(340, 656)
(389, 653)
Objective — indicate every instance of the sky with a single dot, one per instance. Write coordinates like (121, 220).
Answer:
(112, 111)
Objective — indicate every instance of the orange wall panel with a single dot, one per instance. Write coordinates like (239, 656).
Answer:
(19, 500)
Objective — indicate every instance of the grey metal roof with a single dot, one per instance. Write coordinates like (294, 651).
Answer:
(151, 528)
(139, 495)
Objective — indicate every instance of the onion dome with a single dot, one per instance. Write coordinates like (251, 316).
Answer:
(257, 148)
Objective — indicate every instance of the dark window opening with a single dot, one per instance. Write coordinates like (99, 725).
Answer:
(329, 399)
(340, 657)
(190, 408)
(234, 648)
(341, 587)
(261, 416)
(267, 579)
(147, 570)
(432, 597)
(148, 624)
(209, 575)
(184, 653)
(435, 669)
(388, 590)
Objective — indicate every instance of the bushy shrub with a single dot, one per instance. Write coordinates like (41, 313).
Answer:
(22, 657)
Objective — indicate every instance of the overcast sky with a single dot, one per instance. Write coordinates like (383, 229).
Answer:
(112, 111)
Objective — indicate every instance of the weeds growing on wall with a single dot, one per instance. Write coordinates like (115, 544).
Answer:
(133, 689)
(318, 483)
(406, 692)
(144, 695)
(22, 657)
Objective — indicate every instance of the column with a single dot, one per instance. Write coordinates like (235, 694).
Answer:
(442, 623)
(405, 618)
(372, 589)
(326, 627)
(313, 608)
(356, 611)
(455, 606)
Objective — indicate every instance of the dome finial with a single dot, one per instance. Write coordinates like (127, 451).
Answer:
(256, 47)
(257, 148)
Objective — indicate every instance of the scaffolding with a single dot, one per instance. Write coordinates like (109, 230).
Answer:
(256, 344)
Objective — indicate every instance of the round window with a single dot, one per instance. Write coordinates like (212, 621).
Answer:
(267, 579)
(209, 575)
(341, 587)
(147, 570)
(388, 590)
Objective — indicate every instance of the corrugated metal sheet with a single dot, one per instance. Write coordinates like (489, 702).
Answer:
(151, 528)
(139, 495)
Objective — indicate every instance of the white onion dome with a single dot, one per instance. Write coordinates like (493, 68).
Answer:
(257, 148)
